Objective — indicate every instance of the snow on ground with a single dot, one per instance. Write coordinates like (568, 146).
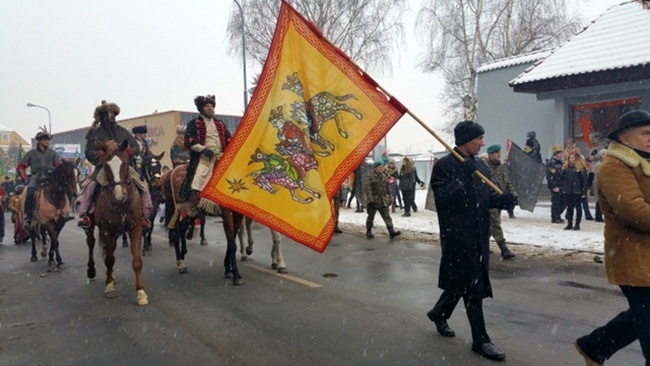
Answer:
(530, 233)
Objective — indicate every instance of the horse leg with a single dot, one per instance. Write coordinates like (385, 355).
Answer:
(180, 245)
(248, 223)
(231, 223)
(90, 242)
(136, 262)
(125, 243)
(277, 261)
(203, 241)
(242, 252)
(109, 244)
(54, 247)
(44, 241)
(33, 258)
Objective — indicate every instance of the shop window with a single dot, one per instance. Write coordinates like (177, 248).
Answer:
(602, 117)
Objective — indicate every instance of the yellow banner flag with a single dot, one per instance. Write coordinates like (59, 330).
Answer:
(313, 118)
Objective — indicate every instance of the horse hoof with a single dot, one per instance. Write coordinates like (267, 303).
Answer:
(228, 275)
(44, 253)
(204, 242)
(110, 294)
(142, 298)
(182, 270)
(274, 266)
(60, 266)
(249, 251)
(34, 258)
(283, 270)
(90, 273)
(238, 281)
(244, 258)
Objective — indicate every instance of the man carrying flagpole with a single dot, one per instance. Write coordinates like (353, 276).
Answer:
(463, 204)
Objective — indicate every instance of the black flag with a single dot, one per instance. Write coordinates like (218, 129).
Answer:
(527, 176)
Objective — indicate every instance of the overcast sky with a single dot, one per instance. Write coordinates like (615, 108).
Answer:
(146, 56)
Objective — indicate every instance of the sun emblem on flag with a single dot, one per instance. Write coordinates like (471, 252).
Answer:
(236, 185)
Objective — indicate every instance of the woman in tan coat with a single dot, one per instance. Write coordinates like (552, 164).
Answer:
(623, 183)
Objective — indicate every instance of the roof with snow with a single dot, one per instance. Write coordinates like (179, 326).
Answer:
(4, 128)
(613, 41)
(515, 60)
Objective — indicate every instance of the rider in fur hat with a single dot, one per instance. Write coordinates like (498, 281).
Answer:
(206, 138)
(104, 128)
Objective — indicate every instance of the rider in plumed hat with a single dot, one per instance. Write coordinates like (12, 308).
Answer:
(41, 160)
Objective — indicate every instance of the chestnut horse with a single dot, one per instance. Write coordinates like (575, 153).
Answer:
(179, 217)
(51, 210)
(118, 205)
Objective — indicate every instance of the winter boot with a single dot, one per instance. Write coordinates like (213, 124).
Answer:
(369, 232)
(577, 225)
(505, 252)
(393, 233)
(569, 225)
(337, 229)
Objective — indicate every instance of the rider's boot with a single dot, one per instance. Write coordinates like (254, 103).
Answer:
(29, 207)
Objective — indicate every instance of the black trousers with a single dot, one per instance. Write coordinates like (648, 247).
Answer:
(409, 200)
(557, 205)
(29, 202)
(625, 328)
(474, 308)
(573, 202)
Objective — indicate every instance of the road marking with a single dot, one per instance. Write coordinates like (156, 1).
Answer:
(284, 276)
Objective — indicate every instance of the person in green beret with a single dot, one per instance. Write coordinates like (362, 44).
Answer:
(501, 178)
(378, 199)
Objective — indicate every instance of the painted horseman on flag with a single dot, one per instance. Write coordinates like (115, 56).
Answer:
(294, 156)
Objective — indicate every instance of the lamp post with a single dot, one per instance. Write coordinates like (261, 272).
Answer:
(243, 50)
(49, 116)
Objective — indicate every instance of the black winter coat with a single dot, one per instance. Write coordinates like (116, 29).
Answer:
(554, 180)
(574, 182)
(463, 204)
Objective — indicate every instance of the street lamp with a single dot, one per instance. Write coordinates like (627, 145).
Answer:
(243, 51)
(49, 117)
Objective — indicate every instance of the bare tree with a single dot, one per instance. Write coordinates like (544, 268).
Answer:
(460, 35)
(367, 30)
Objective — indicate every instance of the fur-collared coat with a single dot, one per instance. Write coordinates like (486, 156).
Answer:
(623, 182)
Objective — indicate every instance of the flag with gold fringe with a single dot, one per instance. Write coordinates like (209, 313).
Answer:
(312, 120)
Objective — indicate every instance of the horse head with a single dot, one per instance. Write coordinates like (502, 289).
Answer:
(65, 176)
(115, 162)
(153, 169)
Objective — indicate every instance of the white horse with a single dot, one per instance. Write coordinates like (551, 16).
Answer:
(277, 262)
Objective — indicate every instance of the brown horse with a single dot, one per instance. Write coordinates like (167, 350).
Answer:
(118, 205)
(180, 214)
(51, 210)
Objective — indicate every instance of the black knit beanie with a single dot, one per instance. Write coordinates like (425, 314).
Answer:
(467, 131)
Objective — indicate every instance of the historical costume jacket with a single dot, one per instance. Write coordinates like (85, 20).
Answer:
(195, 140)
(107, 131)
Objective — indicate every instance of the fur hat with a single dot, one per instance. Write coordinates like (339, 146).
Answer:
(104, 108)
(628, 120)
(99, 111)
(139, 129)
(201, 101)
(494, 148)
(467, 131)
